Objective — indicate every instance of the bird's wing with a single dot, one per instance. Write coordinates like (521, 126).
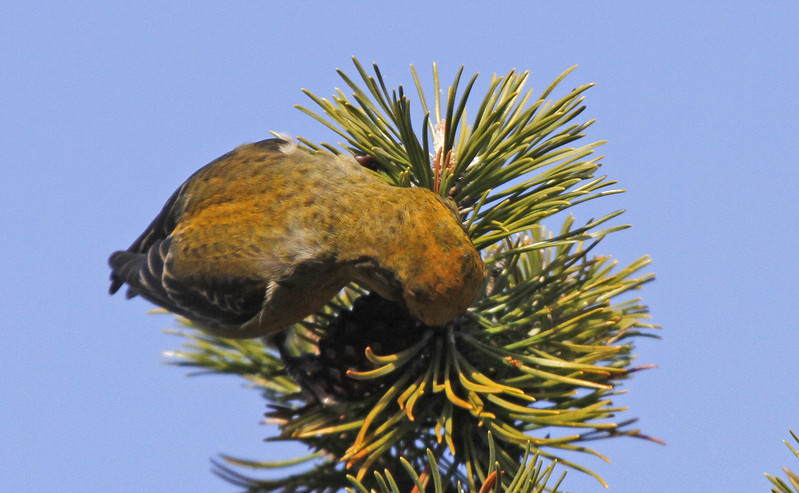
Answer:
(224, 302)
(161, 227)
(166, 220)
(215, 300)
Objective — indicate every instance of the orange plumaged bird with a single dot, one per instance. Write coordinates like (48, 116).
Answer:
(267, 234)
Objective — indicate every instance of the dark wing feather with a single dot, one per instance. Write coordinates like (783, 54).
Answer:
(148, 275)
(158, 230)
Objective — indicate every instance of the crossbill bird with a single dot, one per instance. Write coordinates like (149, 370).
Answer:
(268, 233)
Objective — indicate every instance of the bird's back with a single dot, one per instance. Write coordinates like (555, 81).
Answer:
(250, 235)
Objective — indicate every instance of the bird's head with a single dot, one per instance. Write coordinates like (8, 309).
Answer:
(428, 264)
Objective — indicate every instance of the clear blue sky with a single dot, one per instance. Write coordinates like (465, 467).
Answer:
(105, 109)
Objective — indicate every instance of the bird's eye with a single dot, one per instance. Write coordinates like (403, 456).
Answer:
(417, 292)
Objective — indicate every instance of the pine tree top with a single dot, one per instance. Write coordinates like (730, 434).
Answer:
(532, 367)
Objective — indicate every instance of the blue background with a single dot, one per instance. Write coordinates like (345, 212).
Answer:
(106, 109)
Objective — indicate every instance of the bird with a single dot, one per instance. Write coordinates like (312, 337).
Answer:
(267, 234)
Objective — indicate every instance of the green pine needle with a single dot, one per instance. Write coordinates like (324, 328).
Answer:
(792, 485)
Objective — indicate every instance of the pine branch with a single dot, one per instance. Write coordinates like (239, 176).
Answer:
(792, 485)
(531, 477)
